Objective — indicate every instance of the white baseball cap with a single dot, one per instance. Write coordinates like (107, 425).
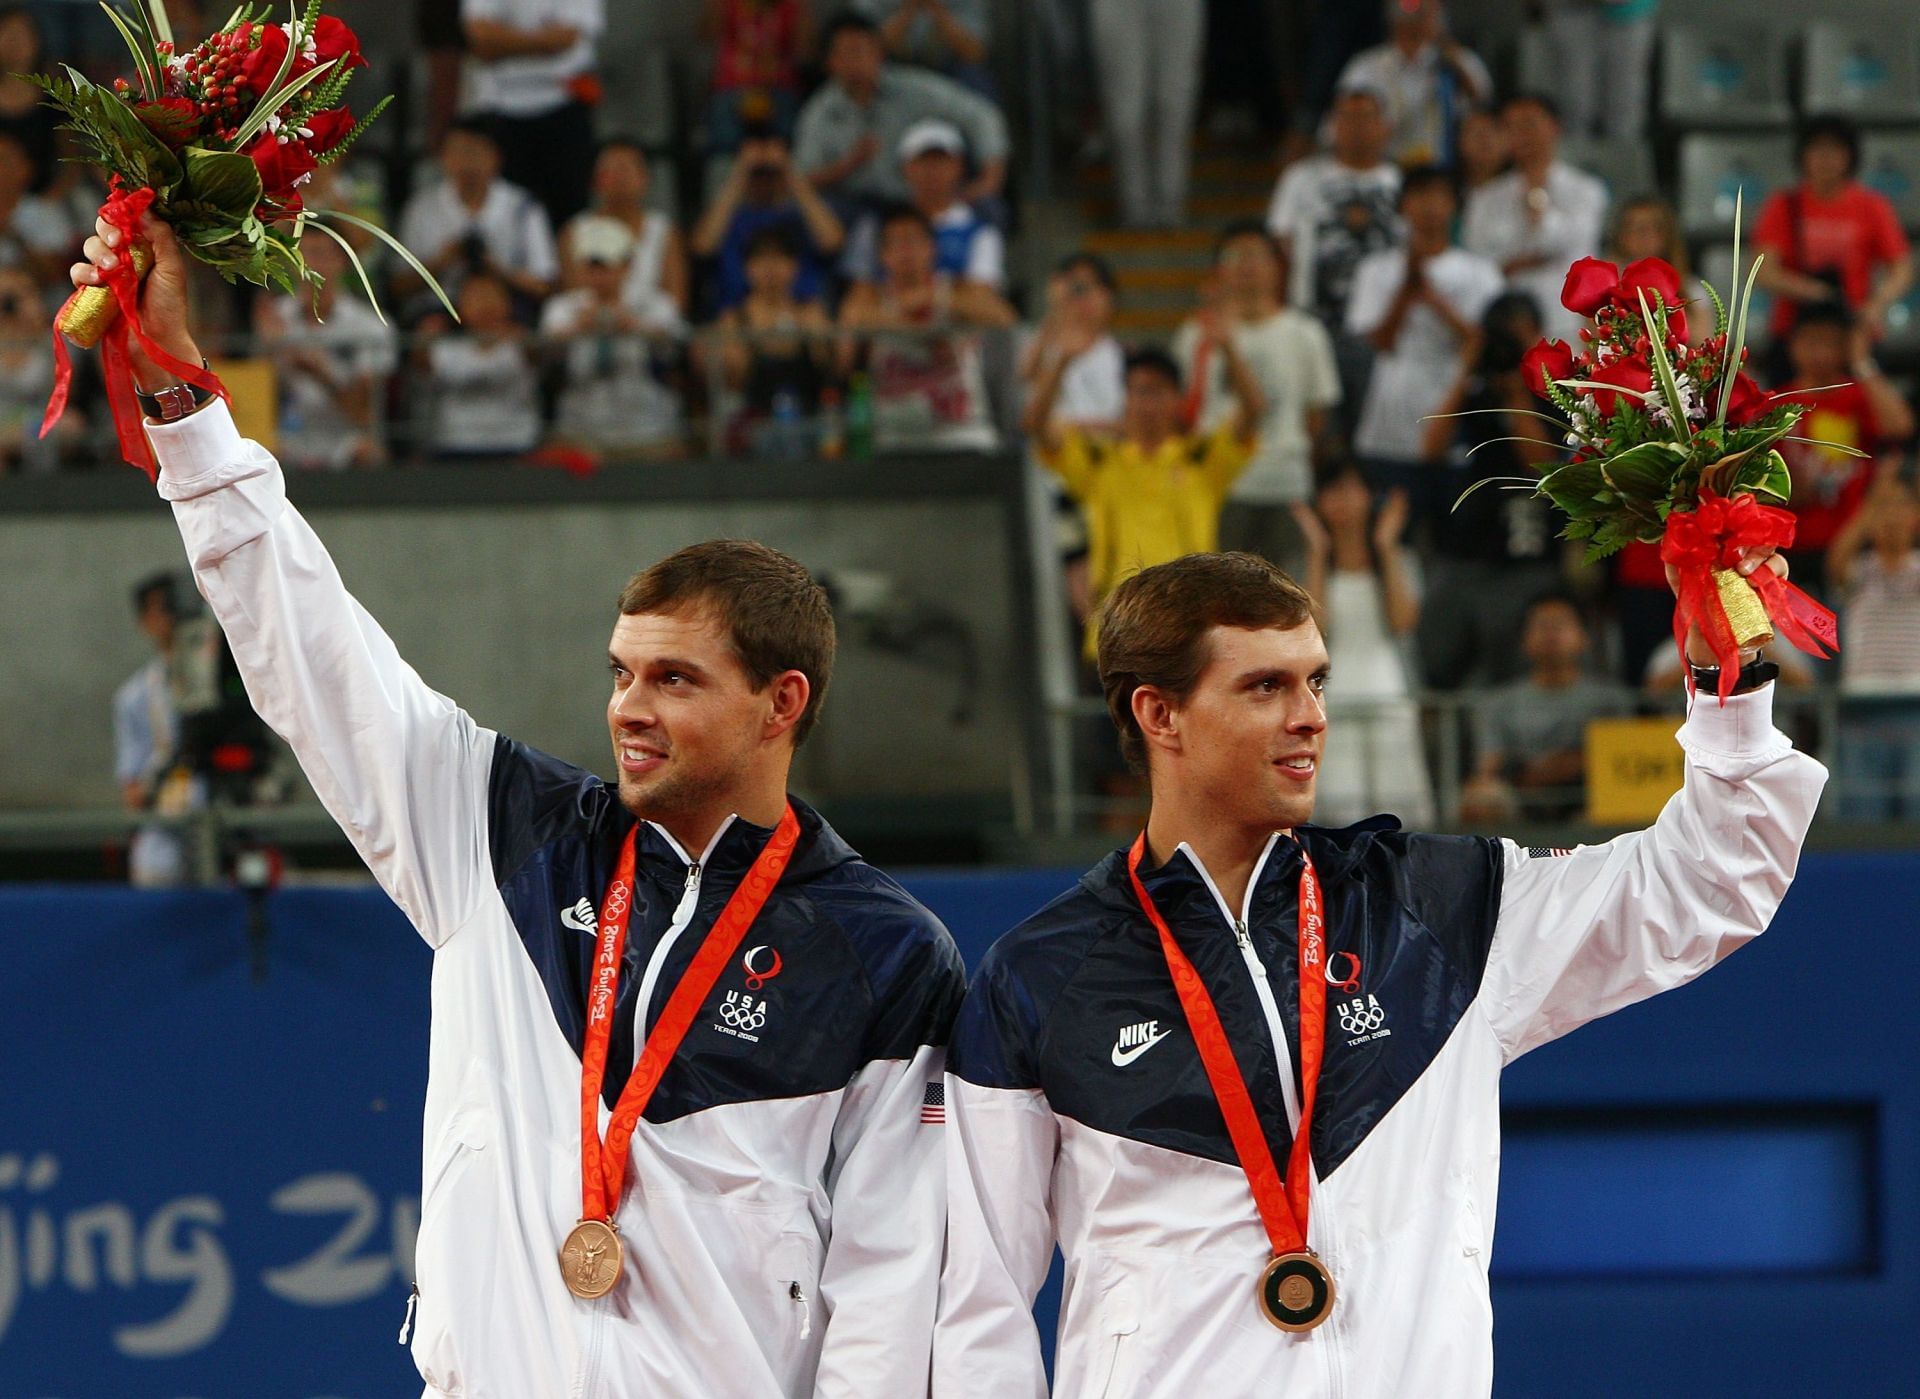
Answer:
(598, 238)
(932, 134)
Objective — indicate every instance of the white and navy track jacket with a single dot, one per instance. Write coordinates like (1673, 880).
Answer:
(785, 1207)
(1081, 1113)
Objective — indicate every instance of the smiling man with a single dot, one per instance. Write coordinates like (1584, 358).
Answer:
(682, 1133)
(1246, 1074)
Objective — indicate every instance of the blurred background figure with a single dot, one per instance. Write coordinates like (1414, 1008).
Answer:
(1830, 238)
(1148, 53)
(26, 377)
(1875, 571)
(758, 49)
(481, 377)
(1428, 79)
(1603, 56)
(532, 79)
(1530, 735)
(1291, 358)
(1540, 217)
(472, 220)
(1374, 758)
(777, 349)
(656, 286)
(762, 190)
(331, 354)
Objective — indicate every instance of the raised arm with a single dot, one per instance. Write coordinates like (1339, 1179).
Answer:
(1584, 934)
(401, 768)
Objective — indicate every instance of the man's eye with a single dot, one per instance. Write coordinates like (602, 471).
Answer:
(1319, 684)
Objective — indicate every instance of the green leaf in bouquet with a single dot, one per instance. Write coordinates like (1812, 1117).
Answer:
(406, 254)
(118, 139)
(1574, 488)
(158, 21)
(1663, 368)
(225, 180)
(353, 258)
(146, 62)
(1719, 308)
(1765, 474)
(1644, 474)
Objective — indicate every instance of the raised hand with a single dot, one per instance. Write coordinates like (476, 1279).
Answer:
(163, 296)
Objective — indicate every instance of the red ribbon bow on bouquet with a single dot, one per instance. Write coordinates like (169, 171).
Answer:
(1714, 535)
(124, 211)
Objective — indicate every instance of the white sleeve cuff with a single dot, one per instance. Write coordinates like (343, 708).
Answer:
(200, 452)
(1741, 728)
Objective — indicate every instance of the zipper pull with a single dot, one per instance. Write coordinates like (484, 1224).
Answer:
(799, 1295)
(693, 875)
(1245, 939)
(406, 1327)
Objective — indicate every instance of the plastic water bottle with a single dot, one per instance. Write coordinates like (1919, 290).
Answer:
(833, 428)
(860, 419)
(789, 442)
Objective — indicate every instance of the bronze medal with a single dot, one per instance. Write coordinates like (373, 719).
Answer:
(590, 1259)
(1296, 1292)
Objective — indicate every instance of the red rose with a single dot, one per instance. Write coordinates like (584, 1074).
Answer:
(332, 39)
(329, 129)
(1650, 274)
(1547, 360)
(1676, 326)
(281, 165)
(1749, 401)
(1590, 285)
(262, 65)
(1628, 372)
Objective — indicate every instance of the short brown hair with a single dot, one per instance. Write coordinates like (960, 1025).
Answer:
(777, 617)
(1154, 625)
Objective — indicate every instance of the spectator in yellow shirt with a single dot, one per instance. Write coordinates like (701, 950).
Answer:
(1154, 492)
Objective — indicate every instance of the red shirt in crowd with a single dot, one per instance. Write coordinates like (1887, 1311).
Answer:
(1828, 485)
(758, 45)
(1849, 236)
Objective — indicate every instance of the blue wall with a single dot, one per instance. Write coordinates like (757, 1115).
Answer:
(206, 1181)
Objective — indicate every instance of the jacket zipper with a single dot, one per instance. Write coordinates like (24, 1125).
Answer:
(1263, 991)
(682, 916)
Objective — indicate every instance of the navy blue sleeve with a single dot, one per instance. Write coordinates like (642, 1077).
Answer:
(534, 799)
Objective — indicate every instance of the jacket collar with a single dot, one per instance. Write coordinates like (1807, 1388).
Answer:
(736, 845)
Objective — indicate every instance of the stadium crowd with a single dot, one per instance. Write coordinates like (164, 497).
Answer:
(847, 286)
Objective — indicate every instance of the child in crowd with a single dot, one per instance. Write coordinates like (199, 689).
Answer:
(612, 398)
(929, 387)
(656, 285)
(776, 350)
(481, 376)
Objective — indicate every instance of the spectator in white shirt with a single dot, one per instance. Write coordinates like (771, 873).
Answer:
(1418, 306)
(1291, 357)
(332, 354)
(1540, 217)
(34, 234)
(1148, 53)
(474, 221)
(611, 397)
(933, 159)
(481, 377)
(1331, 210)
(656, 286)
(1874, 564)
(1427, 77)
(532, 75)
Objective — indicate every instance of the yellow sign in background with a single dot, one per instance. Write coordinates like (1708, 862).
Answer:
(1633, 766)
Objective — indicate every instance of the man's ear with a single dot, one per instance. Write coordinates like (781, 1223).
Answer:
(789, 693)
(1158, 718)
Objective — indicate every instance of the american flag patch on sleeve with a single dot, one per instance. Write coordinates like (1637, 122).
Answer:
(1545, 852)
(933, 1104)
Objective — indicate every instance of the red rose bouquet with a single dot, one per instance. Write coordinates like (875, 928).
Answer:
(219, 140)
(1676, 445)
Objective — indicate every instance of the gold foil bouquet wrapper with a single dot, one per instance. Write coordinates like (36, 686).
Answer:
(90, 310)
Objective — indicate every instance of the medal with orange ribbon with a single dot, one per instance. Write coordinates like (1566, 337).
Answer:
(1295, 1291)
(592, 1258)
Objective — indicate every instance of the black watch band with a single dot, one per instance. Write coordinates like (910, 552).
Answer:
(1752, 676)
(173, 402)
